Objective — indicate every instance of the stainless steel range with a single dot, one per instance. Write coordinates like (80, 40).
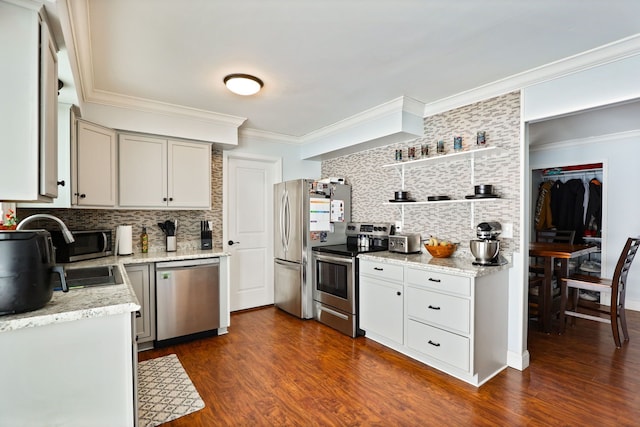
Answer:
(335, 275)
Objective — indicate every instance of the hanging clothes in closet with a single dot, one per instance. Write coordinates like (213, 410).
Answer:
(543, 216)
(571, 205)
(593, 217)
(568, 200)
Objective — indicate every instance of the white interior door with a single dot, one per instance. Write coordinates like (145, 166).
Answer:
(249, 228)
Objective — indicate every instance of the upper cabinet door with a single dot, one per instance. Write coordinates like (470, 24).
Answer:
(189, 175)
(96, 165)
(29, 105)
(48, 113)
(157, 173)
(142, 171)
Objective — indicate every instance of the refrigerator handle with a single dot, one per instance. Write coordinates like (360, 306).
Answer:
(283, 221)
(281, 218)
(287, 221)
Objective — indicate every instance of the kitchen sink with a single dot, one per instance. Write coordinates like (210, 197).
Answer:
(91, 276)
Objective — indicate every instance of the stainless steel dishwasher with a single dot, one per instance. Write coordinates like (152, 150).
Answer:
(187, 298)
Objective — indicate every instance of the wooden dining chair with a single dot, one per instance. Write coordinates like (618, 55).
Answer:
(614, 314)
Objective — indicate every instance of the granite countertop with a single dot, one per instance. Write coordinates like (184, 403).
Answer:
(97, 301)
(460, 265)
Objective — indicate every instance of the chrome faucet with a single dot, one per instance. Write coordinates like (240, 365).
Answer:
(68, 236)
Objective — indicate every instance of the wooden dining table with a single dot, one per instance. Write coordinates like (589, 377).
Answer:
(551, 252)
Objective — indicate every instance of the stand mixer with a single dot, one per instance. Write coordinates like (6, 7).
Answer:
(486, 248)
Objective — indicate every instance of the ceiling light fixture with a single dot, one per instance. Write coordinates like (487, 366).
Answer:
(243, 84)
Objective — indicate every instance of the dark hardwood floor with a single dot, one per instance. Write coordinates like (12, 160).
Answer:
(275, 370)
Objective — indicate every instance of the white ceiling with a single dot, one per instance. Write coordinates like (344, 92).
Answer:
(323, 61)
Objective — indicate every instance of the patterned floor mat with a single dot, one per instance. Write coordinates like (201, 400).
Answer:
(165, 391)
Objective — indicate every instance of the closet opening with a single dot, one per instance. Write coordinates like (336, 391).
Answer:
(569, 199)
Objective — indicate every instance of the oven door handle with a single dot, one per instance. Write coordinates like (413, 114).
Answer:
(335, 313)
(339, 260)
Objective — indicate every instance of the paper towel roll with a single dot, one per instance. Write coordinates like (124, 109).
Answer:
(124, 237)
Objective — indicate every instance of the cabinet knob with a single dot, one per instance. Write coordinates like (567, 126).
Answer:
(82, 196)
(398, 293)
(164, 199)
(171, 199)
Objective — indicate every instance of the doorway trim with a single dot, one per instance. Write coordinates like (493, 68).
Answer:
(226, 156)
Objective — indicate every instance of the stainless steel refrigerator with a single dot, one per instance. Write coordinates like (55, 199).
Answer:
(302, 222)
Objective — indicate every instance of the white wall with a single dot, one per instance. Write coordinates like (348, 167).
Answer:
(292, 166)
(621, 200)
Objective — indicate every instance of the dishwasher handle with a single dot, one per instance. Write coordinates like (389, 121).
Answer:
(195, 263)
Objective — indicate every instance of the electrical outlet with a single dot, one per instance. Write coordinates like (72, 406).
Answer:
(507, 230)
(398, 226)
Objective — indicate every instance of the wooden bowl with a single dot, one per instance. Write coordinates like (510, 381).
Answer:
(441, 251)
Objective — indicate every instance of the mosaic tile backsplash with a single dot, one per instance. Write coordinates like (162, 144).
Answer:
(374, 185)
(188, 233)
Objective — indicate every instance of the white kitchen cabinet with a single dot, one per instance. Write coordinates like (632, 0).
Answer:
(141, 281)
(70, 373)
(93, 176)
(382, 302)
(455, 323)
(66, 123)
(161, 173)
(28, 118)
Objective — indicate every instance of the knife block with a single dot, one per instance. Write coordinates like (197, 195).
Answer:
(206, 239)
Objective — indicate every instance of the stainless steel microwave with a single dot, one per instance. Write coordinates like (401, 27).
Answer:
(89, 244)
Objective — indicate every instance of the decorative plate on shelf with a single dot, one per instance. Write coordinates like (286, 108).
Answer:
(482, 196)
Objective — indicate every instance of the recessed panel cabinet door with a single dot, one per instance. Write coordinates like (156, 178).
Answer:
(96, 166)
(189, 175)
(382, 309)
(157, 173)
(48, 114)
(142, 171)
(140, 280)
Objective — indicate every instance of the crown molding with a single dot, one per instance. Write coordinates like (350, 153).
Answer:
(145, 105)
(611, 52)
(263, 135)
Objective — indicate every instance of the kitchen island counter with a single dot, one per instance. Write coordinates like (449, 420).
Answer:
(459, 265)
(97, 301)
(81, 347)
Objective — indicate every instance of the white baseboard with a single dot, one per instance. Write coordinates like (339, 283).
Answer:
(518, 361)
(632, 304)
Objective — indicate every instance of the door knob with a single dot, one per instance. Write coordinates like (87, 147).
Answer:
(231, 242)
